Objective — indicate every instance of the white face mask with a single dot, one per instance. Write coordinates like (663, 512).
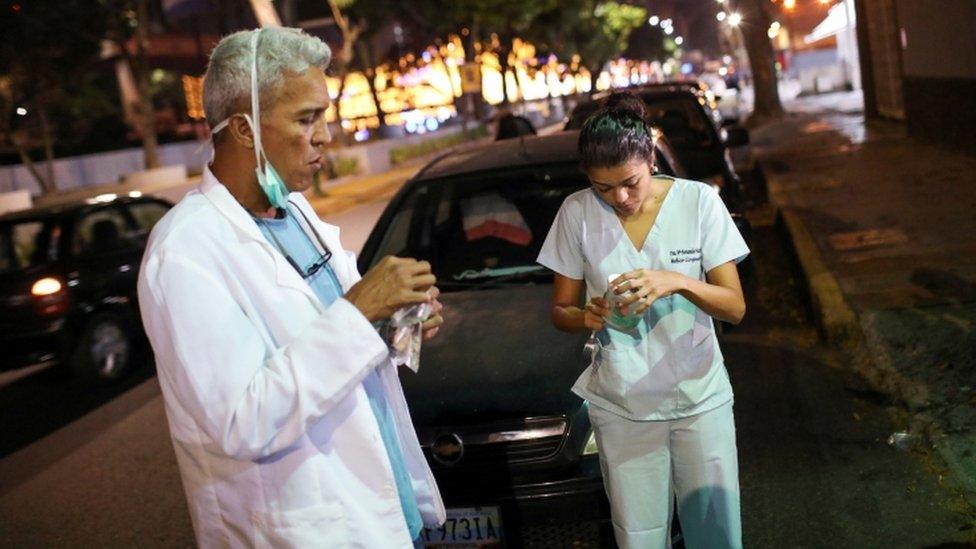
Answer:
(272, 185)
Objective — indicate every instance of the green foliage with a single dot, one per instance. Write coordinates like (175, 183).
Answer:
(46, 47)
(341, 166)
(399, 155)
(596, 31)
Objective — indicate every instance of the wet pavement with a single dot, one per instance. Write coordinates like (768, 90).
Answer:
(891, 221)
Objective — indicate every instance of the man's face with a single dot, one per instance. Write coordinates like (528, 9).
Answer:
(293, 128)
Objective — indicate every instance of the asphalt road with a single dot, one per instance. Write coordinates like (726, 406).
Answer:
(84, 468)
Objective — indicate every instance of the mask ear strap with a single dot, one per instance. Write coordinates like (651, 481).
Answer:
(255, 104)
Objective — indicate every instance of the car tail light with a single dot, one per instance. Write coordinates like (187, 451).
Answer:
(50, 296)
(46, 286)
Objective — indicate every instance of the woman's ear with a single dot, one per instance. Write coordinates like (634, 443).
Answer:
(241, 131)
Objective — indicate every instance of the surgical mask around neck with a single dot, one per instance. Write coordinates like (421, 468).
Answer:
(271, 183)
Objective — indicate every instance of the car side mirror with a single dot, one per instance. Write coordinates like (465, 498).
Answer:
(736, 136)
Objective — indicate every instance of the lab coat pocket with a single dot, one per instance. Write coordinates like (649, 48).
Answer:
(317, 526)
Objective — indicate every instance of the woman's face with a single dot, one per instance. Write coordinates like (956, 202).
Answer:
(624, 186)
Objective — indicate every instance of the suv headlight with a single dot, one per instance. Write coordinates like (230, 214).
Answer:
(591, 448)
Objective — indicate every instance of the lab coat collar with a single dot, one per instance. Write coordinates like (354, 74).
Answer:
(229, 207)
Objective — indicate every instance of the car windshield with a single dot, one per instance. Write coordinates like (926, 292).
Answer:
(26, 243)
(681, 118)
(481, 230)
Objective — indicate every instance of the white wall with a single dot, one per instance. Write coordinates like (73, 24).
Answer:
(97, 169)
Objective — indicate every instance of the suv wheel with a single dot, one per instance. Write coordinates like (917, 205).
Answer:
(103, 351)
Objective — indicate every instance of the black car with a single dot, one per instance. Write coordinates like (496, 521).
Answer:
(686, 116)
(510, 445)
(68, 284)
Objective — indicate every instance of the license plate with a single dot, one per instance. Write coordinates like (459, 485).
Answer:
(468, 526)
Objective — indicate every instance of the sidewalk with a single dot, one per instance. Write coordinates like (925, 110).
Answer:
(884, 229)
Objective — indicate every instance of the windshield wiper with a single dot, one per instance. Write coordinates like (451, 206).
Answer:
(487, 278)
(472, 274)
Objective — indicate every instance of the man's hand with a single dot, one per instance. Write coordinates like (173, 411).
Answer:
(595, 313)
(645, 287)
(434, 321)
(392, 283)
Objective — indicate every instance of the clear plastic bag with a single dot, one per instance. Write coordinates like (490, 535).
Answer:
(405, 334)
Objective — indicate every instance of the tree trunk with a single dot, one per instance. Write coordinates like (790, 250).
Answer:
(145, 115)
(369, 69)
(504, 52)
(30, 165)
(472, 56)
(48, 149)
(754, 28)
(343, 136)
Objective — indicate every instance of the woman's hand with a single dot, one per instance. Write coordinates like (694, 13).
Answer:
(595, 314)
(641, 288)
(433, 323)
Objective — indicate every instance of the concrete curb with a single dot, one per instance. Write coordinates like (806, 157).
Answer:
(835, 317)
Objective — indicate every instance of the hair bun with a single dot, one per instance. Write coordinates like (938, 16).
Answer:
(627, 103)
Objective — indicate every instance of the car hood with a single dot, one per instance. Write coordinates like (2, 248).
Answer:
(497, 357)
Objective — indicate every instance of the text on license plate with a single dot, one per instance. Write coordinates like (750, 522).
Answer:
(467, 526)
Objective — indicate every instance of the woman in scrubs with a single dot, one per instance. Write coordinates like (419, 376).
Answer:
(664, 251)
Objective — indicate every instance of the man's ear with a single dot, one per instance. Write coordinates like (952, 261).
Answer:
(241, 131)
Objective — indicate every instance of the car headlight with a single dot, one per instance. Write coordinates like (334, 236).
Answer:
(591, 448)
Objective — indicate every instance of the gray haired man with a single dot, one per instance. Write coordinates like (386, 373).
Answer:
(286, 413)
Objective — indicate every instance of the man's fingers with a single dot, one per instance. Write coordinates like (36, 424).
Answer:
(429, 334)
(409, 297)
(415, 267)
(422, 282)
(432, 322)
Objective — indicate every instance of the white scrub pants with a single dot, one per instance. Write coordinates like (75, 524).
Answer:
(647, 463)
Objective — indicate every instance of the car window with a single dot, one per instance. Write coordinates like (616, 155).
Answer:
(27, 243)
(103, 230)
(394, 240)
(147, 214)
(580, 114)
(477, 226)
(682, 120)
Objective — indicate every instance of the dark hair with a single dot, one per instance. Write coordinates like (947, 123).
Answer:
(617, 133)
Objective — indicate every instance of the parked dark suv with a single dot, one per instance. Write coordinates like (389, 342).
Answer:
(684, 113)
(68, 284)
(510, 445)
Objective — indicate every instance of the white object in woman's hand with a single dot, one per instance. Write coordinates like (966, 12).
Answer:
(641, 288)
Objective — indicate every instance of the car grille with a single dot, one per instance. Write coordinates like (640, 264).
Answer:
(533, 439)
(589, 534)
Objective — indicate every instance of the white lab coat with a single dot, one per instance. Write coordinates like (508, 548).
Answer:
(276, 441)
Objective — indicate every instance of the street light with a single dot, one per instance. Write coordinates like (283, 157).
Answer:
(21, 111)
(679, 40)
(720, 16)
(735, 19)
(789, 4)
(654, 20)
(669, 31)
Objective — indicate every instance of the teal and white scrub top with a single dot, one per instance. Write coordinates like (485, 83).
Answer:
(669, 366)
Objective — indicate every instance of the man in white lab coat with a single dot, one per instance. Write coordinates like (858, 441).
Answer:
(286, 413)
